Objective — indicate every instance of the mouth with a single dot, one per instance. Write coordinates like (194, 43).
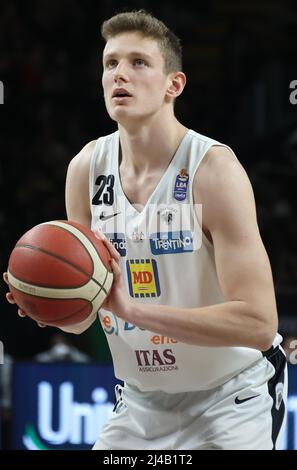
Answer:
(120, 95)
(120, 99)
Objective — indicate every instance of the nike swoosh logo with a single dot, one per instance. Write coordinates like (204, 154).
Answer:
(238, 400)
(106, 217)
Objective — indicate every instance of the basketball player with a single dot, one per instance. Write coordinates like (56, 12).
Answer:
(191, 320)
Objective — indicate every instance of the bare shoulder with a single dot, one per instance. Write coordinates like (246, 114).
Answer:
(77, 186)
(218, 164)
(81, 161)
(222, 186)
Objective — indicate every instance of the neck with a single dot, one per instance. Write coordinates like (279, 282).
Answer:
(148, 147)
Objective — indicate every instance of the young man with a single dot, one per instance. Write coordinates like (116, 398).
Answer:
(191, 320)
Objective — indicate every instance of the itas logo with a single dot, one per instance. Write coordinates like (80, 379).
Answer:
(143, 278)
(155, 360)
(119, 242)
(181, 185)
(166, 243)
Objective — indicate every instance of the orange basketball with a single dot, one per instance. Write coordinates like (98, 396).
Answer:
(59, 273)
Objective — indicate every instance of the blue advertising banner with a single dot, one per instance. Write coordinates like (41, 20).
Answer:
(64, 406)
(290, 433)
(60, 406)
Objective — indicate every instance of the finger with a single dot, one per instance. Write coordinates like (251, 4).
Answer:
(98, 232)
(5, 277)
(10, 298)
(41, 325)
(113, 252)
(21, 313)
(115, 269)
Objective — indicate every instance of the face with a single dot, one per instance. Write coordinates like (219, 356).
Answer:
(134, 81)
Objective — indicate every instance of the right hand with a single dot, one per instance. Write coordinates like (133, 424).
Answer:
(11, 300)
(118, 300)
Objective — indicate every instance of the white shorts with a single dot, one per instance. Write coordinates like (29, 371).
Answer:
(247, 412)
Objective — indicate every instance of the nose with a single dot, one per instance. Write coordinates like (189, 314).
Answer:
(120, 73)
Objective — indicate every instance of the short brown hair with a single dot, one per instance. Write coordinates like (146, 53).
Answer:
(144, 23)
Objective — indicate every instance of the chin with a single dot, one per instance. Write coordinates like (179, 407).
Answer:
(124, 117)
(118, 112)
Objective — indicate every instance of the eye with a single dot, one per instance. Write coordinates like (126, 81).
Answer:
(110, 64)
(139, 63)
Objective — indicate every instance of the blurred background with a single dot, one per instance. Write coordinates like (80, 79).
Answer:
(240, 61)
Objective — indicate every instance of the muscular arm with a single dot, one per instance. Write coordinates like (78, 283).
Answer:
(77, 186)
(248, 317)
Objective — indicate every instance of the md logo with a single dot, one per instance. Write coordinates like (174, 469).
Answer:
(166, 243)
(143, 278)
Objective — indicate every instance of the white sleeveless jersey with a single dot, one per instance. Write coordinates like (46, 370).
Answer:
(165, 259)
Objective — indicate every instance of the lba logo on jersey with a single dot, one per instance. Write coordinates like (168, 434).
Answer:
(143, 278)
(181, 185)
(164, 243)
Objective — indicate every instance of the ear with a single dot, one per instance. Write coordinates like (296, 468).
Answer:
(177, 82)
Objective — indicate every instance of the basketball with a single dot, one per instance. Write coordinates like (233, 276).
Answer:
(59, 273)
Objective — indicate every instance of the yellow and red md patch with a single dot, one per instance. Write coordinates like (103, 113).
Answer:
(143, 278)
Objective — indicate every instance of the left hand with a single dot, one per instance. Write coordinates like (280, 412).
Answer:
(10, 299)
(118, 301)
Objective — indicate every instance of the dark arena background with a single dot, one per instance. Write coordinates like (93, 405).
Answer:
(240, 61)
